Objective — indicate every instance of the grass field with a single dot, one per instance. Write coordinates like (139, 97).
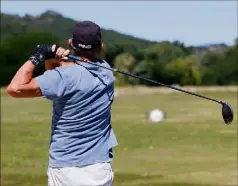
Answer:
(191, 147)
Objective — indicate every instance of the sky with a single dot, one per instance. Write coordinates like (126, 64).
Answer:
(191, 22)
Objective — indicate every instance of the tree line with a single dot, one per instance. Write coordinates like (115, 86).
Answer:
(167, 62)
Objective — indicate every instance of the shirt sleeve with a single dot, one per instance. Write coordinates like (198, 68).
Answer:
(51, 84)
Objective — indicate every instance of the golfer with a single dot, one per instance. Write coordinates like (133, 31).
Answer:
(82, 137)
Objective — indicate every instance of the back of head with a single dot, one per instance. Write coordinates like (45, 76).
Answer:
(86, 40)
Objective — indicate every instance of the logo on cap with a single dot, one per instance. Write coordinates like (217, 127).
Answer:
(84, 46)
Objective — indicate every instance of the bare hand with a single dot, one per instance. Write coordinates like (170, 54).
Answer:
(60, 56)
(61, 53)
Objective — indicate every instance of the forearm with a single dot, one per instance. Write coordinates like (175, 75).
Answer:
(23, 76)
(23, 84)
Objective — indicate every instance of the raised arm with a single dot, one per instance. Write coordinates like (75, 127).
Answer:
(22, 84)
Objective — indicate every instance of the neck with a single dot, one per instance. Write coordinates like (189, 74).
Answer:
(86, 58)
(64, 64)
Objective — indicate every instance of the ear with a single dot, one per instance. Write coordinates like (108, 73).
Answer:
(102, 46)
(70, 43)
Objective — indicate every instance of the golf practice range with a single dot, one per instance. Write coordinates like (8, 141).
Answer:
(227, 112)
(97, 93)
(191, 145)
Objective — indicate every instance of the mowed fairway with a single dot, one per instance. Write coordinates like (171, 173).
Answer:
(191, 147)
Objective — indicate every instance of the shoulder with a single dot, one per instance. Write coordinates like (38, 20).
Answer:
(52, 73)
(71, 74)
(51, 84)
(65, 69)
(51, 78)
(103, 62)
(106, 71)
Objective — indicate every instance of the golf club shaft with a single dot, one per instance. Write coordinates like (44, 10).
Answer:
(145, 79)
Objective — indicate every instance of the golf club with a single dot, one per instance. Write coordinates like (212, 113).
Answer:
(227, 112)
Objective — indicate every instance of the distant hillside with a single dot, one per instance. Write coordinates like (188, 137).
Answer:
(61, 26)
(56, 23)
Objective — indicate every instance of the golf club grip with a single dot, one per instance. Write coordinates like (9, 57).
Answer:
(145, 79)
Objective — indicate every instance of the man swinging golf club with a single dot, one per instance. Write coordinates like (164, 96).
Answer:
(82, 138)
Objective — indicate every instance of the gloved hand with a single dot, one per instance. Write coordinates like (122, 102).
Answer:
(43, 52)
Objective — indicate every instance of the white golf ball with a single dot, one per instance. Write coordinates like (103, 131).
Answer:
(156, 115)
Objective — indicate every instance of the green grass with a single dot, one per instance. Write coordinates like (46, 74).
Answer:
(191, 147)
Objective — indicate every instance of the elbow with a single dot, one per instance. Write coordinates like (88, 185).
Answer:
(12, 91)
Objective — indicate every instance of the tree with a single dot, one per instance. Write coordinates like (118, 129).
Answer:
(151, 69)
(184, 71)
(221, 69)
(227, 68)
(126, 63)
(186, 50)
(156, 57)
(164, 52)
(236, 42)
(110, 51)
(17, 49)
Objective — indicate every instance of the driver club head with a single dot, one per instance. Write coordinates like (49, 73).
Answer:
(227, 113)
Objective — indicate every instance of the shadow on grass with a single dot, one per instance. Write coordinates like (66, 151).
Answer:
(120, 179)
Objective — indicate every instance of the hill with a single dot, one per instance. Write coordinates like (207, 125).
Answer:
(56, 23)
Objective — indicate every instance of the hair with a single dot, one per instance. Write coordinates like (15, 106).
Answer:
(89, 54)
